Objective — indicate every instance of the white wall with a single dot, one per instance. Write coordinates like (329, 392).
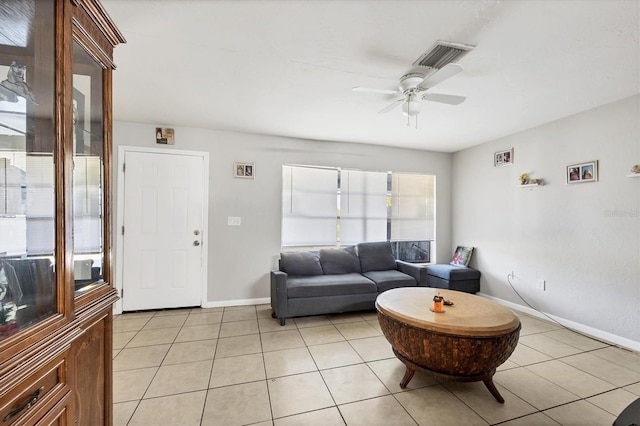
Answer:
(583, 239)
(240, 257)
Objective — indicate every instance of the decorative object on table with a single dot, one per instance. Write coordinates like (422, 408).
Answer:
(438, 302)
(165, 136)
(244, 170)
(503, 158)
(462, 256)
(16, 85)
(582, 172)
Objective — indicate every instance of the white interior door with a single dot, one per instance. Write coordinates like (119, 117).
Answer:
(163, 226)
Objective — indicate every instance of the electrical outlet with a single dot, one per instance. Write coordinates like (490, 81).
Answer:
(541, 285)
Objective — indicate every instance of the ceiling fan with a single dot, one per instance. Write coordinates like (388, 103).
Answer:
(413, 87)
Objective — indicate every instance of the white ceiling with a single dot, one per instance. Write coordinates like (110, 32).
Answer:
(287, 67)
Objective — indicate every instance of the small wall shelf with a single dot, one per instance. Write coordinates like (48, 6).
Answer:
(634, 175)
(529, 185)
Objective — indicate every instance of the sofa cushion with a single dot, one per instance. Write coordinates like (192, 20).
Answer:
(339, 261)
(329, 285)
(300, 263)
(389, 279)
(376, 256)
(453, 272)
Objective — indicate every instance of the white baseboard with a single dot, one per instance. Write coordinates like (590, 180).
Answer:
(241, 302)
(590, 331)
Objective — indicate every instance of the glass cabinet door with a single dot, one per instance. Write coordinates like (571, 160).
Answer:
(27, 172)
(88, 170)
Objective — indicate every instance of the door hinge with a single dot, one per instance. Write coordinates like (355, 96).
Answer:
(122, 229)
(124, 167)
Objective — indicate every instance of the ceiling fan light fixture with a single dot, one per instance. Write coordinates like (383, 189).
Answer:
(411, 107)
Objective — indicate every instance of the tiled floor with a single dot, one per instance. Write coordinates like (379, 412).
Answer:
(237, 365)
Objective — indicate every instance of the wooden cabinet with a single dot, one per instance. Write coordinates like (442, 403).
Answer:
(56, 287)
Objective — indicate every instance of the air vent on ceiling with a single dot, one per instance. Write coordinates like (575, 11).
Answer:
(442, 53)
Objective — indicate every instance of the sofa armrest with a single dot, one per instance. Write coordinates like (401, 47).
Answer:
(279, 293)
(418, 272)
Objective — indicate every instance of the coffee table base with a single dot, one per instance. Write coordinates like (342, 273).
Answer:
(486, 378)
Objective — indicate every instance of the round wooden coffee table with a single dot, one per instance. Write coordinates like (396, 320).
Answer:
(467, 342)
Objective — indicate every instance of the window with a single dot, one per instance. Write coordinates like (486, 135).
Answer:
(326, 206)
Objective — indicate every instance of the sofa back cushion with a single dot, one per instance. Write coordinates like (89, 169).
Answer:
(300, 263)
(339, 261)
(376, 256)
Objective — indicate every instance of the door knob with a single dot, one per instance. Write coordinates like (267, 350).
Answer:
(196, 243)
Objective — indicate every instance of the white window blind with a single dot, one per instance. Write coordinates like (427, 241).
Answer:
(309, 206)
(363, 206)
(412, 207)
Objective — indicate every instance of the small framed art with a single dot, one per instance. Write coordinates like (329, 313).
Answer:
(244, 170)
(582, 172)
(503, 158)
(165, 136)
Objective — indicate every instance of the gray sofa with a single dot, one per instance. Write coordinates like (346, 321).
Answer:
(338, 280)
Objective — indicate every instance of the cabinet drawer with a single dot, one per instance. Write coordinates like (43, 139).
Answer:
(35, 391)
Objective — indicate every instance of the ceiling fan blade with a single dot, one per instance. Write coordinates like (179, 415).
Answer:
(441, 75)
(370, 90)
(444, 99)
(389, 107)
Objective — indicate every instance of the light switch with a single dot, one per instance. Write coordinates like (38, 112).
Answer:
(234, 220)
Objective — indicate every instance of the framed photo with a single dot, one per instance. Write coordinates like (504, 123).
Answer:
(165, 136)
(503, 158)
(582, 172)
(244, 170)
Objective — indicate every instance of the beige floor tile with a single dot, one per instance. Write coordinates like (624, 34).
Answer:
(508, 364)
(334, 355)
(537, 419)
(230, 405)
(570, 378)
(343, 318)
(144, 356)
(239, 328)
(531, 325)
(633, 388)
(199, 350)
(375, 324)
(434, 405)
(264, 311)
(203, 318)
(312, 321)
(239, 314)
(580, 413)
(622, 357)
(184, 409)
(236, 370)
(158, 336)
(476, 396)
(288, 362)
(370, 316)
(180, 378)
(325, 417)
(524, 355)
(614, 401)
(609, 372)
(172, 312)
(165, 321)
(576, 340)
(548, 346)
(372, 411)
(279, 340)
(134, 315)
(532, 388)
(321, 334)
(198, 332)
(373, 348)
(129, 324)
(391, 371)
(131, 385)
(240, 345)
(298, 394)
(120, 340)
(122, 412)
(268, 325)
(357, 330)
(115, 353)
(353, 383)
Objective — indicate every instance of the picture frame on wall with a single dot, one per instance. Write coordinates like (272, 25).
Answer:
(244, 170)
(503, 158)
(582, 172)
